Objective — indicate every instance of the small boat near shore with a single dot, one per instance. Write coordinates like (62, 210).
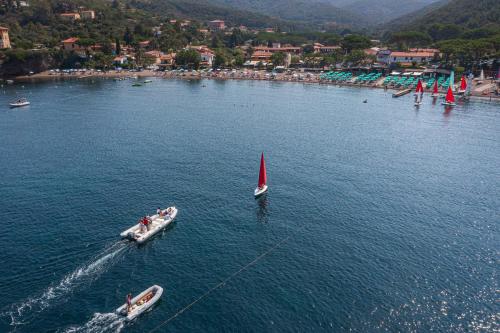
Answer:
(148, 81)
(19, 103)
(141, 303)
(419, 93)
(158, 223)
(401, 93)
(450, 98)
(262, 185)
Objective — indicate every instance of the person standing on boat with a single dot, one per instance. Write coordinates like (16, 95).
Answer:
(148, 222)
(158, 211)
(129, 302)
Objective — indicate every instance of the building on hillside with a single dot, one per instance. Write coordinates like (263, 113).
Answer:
(70, 44)
(206, 54)
(204, 31)
(261, 56)
(407, 58)
(207, 58)
(373, 51)
(5, 41)
(87, 14)
(383, 56)
(155, 56)
(320, 48)
(217, 25)
(283, 48)
(120, 60)
(70, 16)
(167, 61)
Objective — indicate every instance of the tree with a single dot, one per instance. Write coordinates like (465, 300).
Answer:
(408, 39)
(308, 49)
(188, 58)
(355, 42)
(278, 59)
(118, 48)
(220, 60)
(128, 37)
(236, 38)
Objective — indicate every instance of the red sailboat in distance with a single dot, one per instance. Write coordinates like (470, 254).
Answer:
(463, 85)
(450, 98)
(435, 91)
(419, 93)
(262, 186)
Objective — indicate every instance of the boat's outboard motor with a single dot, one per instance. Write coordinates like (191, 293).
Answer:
(131, 236)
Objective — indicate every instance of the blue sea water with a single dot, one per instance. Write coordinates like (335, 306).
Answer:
(380, 217)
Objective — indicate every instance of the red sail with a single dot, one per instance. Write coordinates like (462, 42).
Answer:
(420, 88)
(449, 96)
(463, 84)
(262, 173)
(435, 87)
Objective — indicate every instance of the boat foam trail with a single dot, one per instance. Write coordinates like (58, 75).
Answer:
(100, 322)
(86, 273)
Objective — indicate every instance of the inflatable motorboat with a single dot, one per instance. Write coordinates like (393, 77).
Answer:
(140, 234)
(19, 103)
(141, 303)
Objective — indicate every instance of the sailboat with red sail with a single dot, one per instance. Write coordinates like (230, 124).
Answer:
(435, 91)
(262, 186)
(450, 98)
(463, 85)
(419, 93)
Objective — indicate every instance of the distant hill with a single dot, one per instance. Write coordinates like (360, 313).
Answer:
(314, 12)
(381, 11)
(402, 21)
(204, 10)
(470, 14)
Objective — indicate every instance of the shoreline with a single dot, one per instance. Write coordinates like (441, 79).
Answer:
(307, 78)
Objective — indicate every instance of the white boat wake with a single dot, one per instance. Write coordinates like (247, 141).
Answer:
(21, 313)
(100, 322)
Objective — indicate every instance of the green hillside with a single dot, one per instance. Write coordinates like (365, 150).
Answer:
(313, 12)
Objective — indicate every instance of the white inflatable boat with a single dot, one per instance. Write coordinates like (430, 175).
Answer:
(141, 303)
(140, 234)
(19, 103)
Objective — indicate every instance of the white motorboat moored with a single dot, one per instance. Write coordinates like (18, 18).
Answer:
(140, 234)
(141, 303)
(20, 102)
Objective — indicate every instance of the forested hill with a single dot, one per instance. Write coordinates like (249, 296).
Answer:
(381, 11)
(468, 14)
(204, 10)
(313, 12)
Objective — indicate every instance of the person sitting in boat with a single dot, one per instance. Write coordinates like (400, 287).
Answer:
(169, 210)
(129, 303)
(144, 223)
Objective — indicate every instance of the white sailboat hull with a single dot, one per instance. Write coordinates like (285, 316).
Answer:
(138, 309)
(158, 223)
(260, 191)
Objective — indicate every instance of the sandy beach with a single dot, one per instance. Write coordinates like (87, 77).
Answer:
(484, 92)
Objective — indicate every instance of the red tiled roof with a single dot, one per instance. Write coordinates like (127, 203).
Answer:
(70, 40)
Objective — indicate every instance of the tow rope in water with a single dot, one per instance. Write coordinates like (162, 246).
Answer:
(223, 282)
